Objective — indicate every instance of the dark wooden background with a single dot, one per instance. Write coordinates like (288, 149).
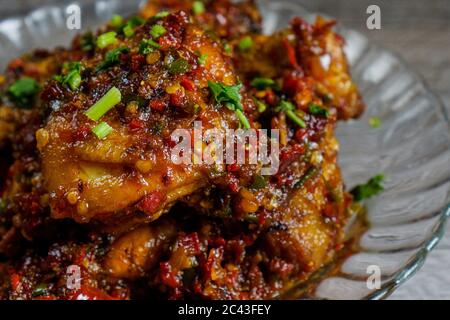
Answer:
(419, 31)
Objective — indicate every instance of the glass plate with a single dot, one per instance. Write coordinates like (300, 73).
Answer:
(412, 148)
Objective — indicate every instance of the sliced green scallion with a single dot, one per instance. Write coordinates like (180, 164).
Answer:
(262, 83)
(106, 103)
(102, 130)
(202, 59)
(198, 7)
(157, 31)
(289, 109)
(179, 66)
(148, 46)
(24, 90)
(246, 43)
(365, 191)
(162, 14)
(231, 97)
(106, 39)
(317, 110)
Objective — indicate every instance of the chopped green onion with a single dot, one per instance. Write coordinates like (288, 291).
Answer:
(111, 58)
(179, 66)
(317, 110)
(128, 31)
(228, 49)
(246, 43)
(106, 39)
(231, 97)
(116, 21)
(223, 93)
(157, 31)
(24, 90)
(198, 7)
(40, 290)
(135, 21)
(289, 109)
(162, 14)
(261, 106)
(368, 190)
(72, 65)
(147, 46)
(202, 59)
(73, 76)
(262, 83)
(310, 173)
(375, 122)
(102, 130)
(243, 119)
(258, 183)
(74, 80)
(106, 103)
(87, 42)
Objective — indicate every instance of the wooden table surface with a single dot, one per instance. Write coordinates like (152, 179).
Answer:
(419, 31)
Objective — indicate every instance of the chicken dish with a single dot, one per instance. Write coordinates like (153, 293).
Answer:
(88, 185)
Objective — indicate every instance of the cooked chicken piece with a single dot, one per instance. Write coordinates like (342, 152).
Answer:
(138, 251)
(304, 59)
(88, 177)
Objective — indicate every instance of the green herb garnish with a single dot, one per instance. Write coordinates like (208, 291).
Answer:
(147, 46)
(40, 290)
(375, 122)
(231, 97)
(106, 39)
(87, 41)
(24, 90)
(309, 174)
(317, 110)
(157, 31)
(262, 83)
(133, 22)
(116, 21)
(246, 43)
(228, 49)
(102, 130)
(202, 59)
(371, 188)
(179, 66)
(111, 58)
(289, 109)
(128, 31)
(198, 7)
(72, 77)
(262, 107)
(258, 183)
(106, 103)
(162, 14)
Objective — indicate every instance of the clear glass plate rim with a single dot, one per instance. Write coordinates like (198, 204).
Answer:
(417, 260)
